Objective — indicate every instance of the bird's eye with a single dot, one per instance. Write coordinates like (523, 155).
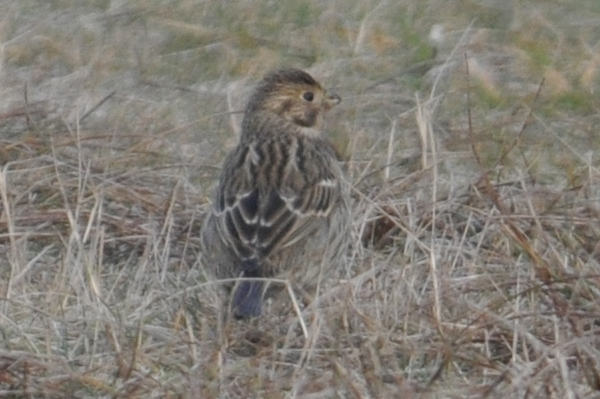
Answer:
(308, 96)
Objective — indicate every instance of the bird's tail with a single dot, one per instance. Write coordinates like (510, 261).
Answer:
(247, 297)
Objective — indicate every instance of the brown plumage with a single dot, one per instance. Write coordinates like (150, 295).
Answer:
(281, 207)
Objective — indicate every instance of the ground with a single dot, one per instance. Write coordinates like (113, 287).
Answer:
(469, 133)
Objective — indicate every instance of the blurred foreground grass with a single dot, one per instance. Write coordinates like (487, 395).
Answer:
(475, 267)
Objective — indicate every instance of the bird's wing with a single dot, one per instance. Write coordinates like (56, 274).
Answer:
(266, 203)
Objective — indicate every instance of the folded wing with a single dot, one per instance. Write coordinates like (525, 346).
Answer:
(259, 217)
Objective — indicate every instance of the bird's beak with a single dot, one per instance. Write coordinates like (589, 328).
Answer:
(331, 99)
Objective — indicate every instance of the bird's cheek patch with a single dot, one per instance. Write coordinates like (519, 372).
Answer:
(307, 119)
(286, 106)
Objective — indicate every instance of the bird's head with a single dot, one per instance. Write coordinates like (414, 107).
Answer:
(293, 95)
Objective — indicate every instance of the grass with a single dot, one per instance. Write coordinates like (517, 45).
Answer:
(475, 265)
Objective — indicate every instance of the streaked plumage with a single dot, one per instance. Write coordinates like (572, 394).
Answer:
(281, 206)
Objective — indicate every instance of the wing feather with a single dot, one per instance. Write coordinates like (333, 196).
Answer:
(259, 216)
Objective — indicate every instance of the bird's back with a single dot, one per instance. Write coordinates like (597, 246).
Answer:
(275, 213)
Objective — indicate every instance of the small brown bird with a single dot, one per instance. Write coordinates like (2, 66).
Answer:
(281, 208)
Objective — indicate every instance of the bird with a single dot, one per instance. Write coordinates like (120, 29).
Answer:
(282, 206)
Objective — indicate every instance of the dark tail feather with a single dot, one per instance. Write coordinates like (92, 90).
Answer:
(247, 298)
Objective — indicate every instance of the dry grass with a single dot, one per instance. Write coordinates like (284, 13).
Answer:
(475, 269)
